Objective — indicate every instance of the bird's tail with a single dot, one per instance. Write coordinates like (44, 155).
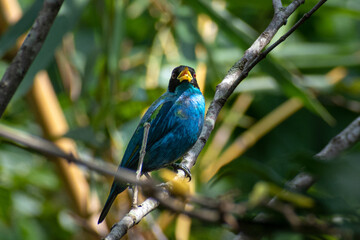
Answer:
(116, 188)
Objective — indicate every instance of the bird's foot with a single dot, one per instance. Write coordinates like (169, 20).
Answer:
(177, 166)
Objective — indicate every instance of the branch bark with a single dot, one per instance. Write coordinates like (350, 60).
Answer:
(338, 144)
(48, 148)
(344, 140)
(132, 218)
(277, 4)
(303, 181)
(28, 51)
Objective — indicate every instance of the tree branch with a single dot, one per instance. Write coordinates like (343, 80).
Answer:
(303, 181)
(277, 6)
(18, 68)
(132, 218)
(344, 140)
(338, 144)
(50, 149)
(292, 29)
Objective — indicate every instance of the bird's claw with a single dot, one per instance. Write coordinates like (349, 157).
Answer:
(177, 166)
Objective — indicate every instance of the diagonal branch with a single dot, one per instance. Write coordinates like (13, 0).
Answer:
(131, 219)
(338, 144)
(277, 4)
(293, 28)
(18, 68)
(344, 140)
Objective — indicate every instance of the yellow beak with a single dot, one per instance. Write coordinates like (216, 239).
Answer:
(185, 75)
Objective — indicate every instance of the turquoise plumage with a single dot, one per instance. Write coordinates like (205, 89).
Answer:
(176, 119)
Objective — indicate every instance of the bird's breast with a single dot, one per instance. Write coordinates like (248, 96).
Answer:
(190, 107)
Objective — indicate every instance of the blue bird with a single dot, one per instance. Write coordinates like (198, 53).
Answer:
(176, 119)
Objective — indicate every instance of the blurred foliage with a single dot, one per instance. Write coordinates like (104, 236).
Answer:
(121, 54)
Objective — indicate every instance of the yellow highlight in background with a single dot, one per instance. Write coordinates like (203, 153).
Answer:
(180, 186)
(263, 190)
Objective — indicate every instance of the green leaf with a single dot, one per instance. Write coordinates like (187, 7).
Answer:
(284, 79)
(263, 190)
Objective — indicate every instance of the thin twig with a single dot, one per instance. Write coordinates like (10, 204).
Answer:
(28, 51)
(141, 160)
(292, 29)
(221, 214)
(262, 55)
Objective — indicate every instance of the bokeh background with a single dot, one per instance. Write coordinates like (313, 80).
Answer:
(105, 61)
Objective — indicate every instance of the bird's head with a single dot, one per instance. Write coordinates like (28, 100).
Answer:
(180, 75)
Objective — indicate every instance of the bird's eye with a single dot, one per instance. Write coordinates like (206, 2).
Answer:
(173, 75)
(194, 75)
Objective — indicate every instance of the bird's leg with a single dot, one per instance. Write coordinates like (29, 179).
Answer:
(183, 167)
(141, 160)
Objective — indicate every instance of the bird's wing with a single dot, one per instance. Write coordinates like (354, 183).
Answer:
(152, 116)
(131, 155)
